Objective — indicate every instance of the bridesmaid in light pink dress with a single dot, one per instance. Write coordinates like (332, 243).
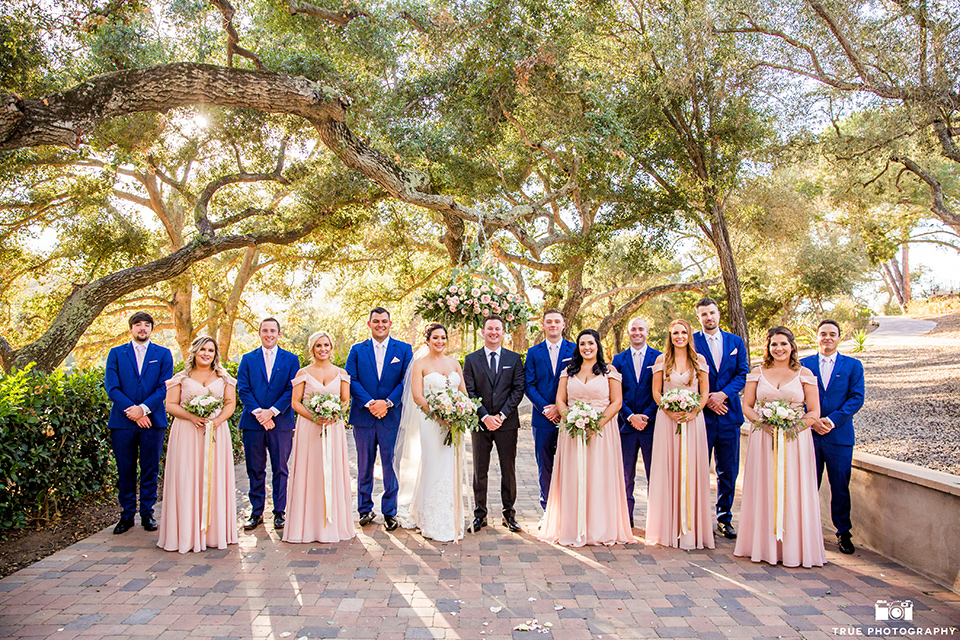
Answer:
(607, 520)
(669, 500)
(318, 489)
(781, 378)
(198, 476)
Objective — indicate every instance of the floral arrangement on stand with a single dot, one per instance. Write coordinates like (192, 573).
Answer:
(472, 294)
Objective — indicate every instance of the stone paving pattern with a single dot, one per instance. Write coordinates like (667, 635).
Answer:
(400, 586)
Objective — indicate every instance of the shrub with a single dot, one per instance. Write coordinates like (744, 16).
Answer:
(54, 443)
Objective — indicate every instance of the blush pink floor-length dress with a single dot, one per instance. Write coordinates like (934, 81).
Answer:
(315, 514)
(802, 543)
(664, 493)
(607, 518)
(183, 486)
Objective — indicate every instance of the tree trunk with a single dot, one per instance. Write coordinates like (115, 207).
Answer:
(181, 309)
(905, 271)
(720, 237)
(633, 304)
(893, 287)
(247, 269)
(87, 301)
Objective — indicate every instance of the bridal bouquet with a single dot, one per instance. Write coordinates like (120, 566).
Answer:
(326, 406)
(204, 406)
(680, 400)
(455, 411)
(780, 415)
(582, 421)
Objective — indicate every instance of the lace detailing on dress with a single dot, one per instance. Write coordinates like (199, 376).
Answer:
(433, 507)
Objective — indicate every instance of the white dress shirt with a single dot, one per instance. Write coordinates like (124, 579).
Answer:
(486, 355)
(638, 356)
(553, 348)
(140, 351)
(715, 342)
(380, 353)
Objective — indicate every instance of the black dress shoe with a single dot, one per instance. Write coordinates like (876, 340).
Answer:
(149, 524)
(511, 523)
(845, 544)
(478, 523)
(252, 523)
(278, 521)
(367, 518)
(726, 530)
(123, 526)
(390, 523)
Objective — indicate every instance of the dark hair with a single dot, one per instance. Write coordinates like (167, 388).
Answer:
(552, 310)
(794, 354)
(833, 322)
(600, 368)
(141, 316)
(433, 326)
(490, 317)
(706, 302)
(270, 319)
(378, 310)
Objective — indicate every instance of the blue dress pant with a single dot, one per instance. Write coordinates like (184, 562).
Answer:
(130, 447)
(256, 446)
(368, 440)
(634, 444)
(545, 448)
(723, 443)
(838, 460)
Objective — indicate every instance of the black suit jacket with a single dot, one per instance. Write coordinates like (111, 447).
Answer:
(500, 393)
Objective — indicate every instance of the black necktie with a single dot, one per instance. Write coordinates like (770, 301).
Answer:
(493, 362)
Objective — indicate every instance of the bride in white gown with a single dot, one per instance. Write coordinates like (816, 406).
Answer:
(431, 491)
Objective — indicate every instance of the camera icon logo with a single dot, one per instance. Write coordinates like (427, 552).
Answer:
(894, 610)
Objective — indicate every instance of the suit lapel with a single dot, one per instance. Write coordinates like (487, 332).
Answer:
(815, 367)
(648, 361)
(261, 365)
(630, 369)
(387, 356)
(491, 375)
(371, 356)
(132, 355)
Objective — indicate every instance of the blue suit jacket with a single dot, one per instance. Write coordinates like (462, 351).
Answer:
(731, 378)
(365, 386)
(637, 396)
(256, 393)
(842, 398)
(127, 388)
(541, 381)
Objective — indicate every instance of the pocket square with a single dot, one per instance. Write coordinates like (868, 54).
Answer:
(566, 359)
(508, 367)
(734, 352)
(395, 360)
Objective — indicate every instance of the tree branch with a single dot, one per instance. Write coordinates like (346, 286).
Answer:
(233, 38)
(638, 300)
(341, 19)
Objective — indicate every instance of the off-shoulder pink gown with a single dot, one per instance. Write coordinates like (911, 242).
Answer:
(316, 513)
(183, 479)
(607, 518)
(802, 542)
(664, 493)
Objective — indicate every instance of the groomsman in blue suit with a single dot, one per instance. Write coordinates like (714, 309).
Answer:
(726, 355)
(135, 380)
(542, 370)
(264, 387)
(377, 367)
(639, 412)
(841, 396)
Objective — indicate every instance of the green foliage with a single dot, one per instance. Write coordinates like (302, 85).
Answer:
(54, 443)
(21, 54)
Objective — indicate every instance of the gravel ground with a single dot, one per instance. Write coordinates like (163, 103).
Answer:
(912, 408)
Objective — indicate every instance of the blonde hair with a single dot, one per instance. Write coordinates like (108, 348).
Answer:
(312, 342)
(669, 351)
(191, 362)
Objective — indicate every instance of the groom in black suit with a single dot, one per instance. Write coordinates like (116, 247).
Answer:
(495, 376)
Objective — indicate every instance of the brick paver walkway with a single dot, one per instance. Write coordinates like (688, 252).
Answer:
(399, 586)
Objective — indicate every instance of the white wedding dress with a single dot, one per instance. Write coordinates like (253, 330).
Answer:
(431, 494)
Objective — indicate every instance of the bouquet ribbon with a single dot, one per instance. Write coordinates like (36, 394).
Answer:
(327, 470)
(581, 488)
(686, 517)
(207, 497)
(780, 473)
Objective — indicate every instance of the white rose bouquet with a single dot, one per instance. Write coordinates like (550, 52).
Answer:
(326, 406)
(680, 401)
(780, 414)
(582, 421)
(455, 411)
(204, 406)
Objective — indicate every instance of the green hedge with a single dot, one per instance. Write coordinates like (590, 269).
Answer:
(54, 443)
